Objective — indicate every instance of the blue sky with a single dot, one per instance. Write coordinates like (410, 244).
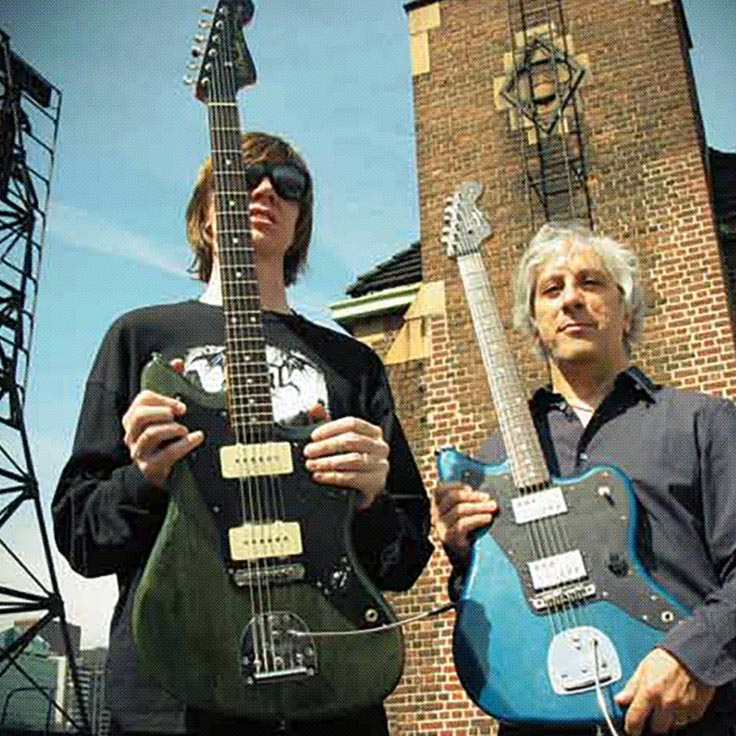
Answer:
(335, 82)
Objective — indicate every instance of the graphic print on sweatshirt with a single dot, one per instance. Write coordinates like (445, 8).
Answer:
(297, 384)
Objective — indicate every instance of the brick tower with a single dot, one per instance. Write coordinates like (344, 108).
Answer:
(560, 108)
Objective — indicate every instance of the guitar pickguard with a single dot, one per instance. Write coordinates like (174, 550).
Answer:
(597, 522)
(321, 512)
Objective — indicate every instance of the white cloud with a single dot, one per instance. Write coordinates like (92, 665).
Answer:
(82, 229)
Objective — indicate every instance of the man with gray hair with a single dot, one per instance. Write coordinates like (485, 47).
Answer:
(578, 296)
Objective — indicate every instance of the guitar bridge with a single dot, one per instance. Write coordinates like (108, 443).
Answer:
(562, 596)
(579, 657)
(277, 574)
(277, 646)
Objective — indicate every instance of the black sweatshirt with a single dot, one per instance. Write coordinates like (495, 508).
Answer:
(107, 516)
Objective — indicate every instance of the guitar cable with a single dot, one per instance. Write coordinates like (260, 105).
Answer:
(444, 609)
(378, 629)
(599, 692)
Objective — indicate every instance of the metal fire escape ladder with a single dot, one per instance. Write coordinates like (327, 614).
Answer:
(543, 88)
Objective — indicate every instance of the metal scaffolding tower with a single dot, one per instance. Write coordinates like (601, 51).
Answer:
(29, 119)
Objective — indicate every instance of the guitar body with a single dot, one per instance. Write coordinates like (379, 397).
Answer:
(526, 664)
(242, 639)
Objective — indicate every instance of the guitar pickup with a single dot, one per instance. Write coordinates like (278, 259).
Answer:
(557, 569)
(539, 505)
(250, 461)
(269, 539)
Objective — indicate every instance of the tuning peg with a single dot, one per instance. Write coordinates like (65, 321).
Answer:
(209, 11)
(205, 24)
(200, 38)
(196, 52)
(192, 66)
(188, 81)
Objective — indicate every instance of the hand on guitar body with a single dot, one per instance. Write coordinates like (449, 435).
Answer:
(351, 453)
(460, 511)
(155, 440)
(663, 692)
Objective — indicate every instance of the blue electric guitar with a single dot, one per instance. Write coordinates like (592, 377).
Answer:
(557, 610)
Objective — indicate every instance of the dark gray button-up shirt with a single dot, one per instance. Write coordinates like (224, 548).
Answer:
(679, 450)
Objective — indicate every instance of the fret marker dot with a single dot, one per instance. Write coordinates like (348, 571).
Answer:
(235, 241)
(232, 203)
(228, 162)
(239, 274)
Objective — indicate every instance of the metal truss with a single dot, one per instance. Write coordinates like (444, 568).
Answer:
(29, 118)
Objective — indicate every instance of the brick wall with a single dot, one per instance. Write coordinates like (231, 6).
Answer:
(649, 188)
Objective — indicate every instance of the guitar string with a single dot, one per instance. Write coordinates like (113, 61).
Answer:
(552, 533)
(548, 534)
(475, 276)
(225, 89)
(223, 179)
(269, 488)
(542, 532)
(551, 537)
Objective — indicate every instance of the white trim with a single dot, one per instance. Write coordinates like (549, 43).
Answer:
(377, 302)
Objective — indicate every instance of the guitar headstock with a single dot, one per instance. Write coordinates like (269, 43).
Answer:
(466, 227)
(227, 65)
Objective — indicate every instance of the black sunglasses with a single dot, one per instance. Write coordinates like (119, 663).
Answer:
(287, 179)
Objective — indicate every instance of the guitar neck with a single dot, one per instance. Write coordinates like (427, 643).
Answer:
(525, 456)
(248, 385)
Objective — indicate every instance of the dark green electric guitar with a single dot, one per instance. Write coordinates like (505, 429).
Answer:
(253, 602)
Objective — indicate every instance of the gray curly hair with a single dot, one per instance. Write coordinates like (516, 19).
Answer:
(555, 238)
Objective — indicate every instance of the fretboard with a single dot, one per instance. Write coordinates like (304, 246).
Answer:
(248, 386)
(526, 460)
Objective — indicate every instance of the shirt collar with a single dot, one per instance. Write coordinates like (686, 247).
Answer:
(631, 380)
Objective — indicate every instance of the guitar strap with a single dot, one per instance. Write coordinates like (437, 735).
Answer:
(541, 423)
